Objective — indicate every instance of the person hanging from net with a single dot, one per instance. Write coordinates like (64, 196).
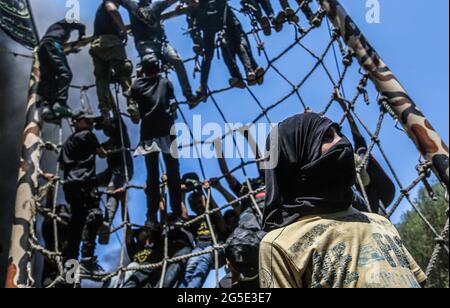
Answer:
(214, 21)
(153, 95)
(255, 9)
(114, 178)
(199, 267)
(109, 56)
(150, 39)
(304, 5)
(316, 239)
(77, 161)
(56, 74)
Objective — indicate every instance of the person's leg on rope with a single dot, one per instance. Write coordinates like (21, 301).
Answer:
(175, 270)
(94, 219)
(174, 183)
(266, 6)
(197, 270)
(153, 190)
(172, 57)
(229, 57)
(56, 65)
(72, 195)
(102, 72)
(209, 44)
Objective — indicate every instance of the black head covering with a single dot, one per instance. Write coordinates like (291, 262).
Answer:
(304, 182)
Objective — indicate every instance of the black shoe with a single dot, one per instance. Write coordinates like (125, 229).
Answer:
(90, 268)
(63, 111)
(278, 21)
(265, 25)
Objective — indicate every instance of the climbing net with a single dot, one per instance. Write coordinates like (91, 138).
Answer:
(334, 67)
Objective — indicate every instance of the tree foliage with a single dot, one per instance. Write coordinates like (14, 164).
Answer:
(421, 241)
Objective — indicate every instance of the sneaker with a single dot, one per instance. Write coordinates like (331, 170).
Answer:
(194, 100)
(291, 16)
(90, 267)
(260, 72)
(236, 82)
(104, 233)
(62, 111)
(278, 21)
(252, 80)
(265, 25)
(133, 111)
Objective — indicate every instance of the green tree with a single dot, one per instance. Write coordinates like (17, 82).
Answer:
(421, 241)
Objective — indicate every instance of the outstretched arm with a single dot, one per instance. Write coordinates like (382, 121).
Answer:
(231, 180)
(254, 146)
(217, 218)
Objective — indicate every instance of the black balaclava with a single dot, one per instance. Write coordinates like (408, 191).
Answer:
(305, 182)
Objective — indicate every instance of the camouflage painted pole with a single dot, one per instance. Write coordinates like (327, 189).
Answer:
(19, 259)
(419, 129)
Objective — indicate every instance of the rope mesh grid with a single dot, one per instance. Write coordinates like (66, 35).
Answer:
(334, 47)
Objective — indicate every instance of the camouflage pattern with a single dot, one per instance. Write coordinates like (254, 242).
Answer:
(19, 259)
(419, 129)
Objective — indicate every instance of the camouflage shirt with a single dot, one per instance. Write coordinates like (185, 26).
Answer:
(342, 250)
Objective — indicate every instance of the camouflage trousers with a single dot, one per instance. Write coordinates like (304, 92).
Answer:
(110, 59)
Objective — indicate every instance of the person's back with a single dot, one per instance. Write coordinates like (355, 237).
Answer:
(348, 249)
(153, 96)
(78, 155)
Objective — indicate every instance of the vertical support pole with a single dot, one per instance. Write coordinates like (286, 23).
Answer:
(419, 129)
(19, 259)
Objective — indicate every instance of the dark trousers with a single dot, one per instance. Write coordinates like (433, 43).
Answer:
(234, 42)
(85, 222)
(56, 75)
(256, 8)
(153, 181)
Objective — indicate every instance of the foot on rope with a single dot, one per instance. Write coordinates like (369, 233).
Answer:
(265, 25)
(278, 21)
(195, 100)
(236, 82)
(291, 16)
(90, 269)
(54, 114)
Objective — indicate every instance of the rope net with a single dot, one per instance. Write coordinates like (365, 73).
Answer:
(350, 100)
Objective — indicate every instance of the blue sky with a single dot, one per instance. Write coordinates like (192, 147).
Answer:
(412, 38)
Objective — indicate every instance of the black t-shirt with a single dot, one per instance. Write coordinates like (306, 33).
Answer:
(60, 31)
(153, 96)
(201, 233)
(152, 28)
(104, 24)
(211, 13)
(78, 155)
(148, 254)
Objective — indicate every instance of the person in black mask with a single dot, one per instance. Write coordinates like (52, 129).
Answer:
(316, 238)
